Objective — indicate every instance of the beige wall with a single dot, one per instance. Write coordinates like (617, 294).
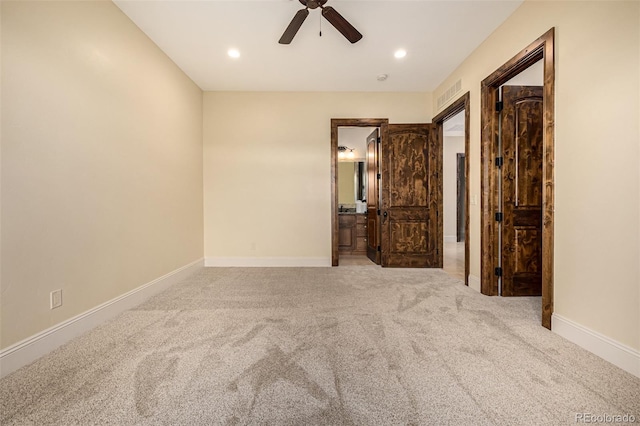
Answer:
(267, 167)
(101, 162)
(597, 228)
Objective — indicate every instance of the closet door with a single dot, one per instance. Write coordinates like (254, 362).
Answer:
(522, 145)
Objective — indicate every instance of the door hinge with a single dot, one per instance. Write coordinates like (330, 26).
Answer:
(499, 217)
(498, 272)
(378, 212)
(379, 176)
(499, 106)
(379, 248)
(499, 161)
(378, 140)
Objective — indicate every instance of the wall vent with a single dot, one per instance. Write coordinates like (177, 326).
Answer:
(449, 94)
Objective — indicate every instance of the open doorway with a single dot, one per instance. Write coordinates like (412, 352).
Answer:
(519, 173)
(357, 183)
(505, 188)
(453, 194)
(452, 126)
(350, 233)
(407, 215)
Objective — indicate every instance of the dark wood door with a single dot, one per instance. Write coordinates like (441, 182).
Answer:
(373, 196)
(522, 145)
(461, 207)
(409, 196)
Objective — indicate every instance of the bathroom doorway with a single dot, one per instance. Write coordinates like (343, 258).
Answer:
(357, 192)
(409, 216)
(348, 224)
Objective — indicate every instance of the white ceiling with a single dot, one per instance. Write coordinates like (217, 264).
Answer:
(438, 36)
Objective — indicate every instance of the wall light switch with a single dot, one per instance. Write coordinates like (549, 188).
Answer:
(56, 299)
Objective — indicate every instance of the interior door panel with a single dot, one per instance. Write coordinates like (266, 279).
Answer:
(409, 197)
(522, 149)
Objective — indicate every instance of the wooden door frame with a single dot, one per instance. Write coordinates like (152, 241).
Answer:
(335, 123)
(540, 49)
(462, 103)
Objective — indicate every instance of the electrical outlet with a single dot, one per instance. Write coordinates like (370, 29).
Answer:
(56, 298)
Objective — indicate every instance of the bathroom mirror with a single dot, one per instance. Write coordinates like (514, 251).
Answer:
(352, 185)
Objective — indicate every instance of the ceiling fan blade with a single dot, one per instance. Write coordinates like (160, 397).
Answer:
(341, 24)
(294, 26)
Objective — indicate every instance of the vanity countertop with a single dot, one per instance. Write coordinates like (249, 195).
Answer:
(351, 212)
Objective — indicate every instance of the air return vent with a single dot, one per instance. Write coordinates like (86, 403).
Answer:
(449, 94)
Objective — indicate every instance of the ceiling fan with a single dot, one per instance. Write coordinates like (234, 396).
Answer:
(330, 14)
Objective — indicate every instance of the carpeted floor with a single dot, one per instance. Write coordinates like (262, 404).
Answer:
(333, 346)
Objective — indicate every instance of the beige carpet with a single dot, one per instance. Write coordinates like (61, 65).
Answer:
(333, 346)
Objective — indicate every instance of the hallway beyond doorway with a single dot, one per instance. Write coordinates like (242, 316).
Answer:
(454, 259)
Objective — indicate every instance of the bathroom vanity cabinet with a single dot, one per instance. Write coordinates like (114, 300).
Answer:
(352, 233)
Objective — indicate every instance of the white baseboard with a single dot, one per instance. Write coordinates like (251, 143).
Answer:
(32, 348)
(450, 239)
(606, 348)
(474, 283)
(268, 261)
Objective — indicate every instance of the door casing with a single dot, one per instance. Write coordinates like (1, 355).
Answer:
(540, 49)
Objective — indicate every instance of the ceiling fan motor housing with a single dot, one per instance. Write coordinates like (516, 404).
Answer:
(329, 13)
(313, 4)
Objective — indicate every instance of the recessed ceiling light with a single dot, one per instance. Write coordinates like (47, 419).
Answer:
(400, 53)
(234, 53)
